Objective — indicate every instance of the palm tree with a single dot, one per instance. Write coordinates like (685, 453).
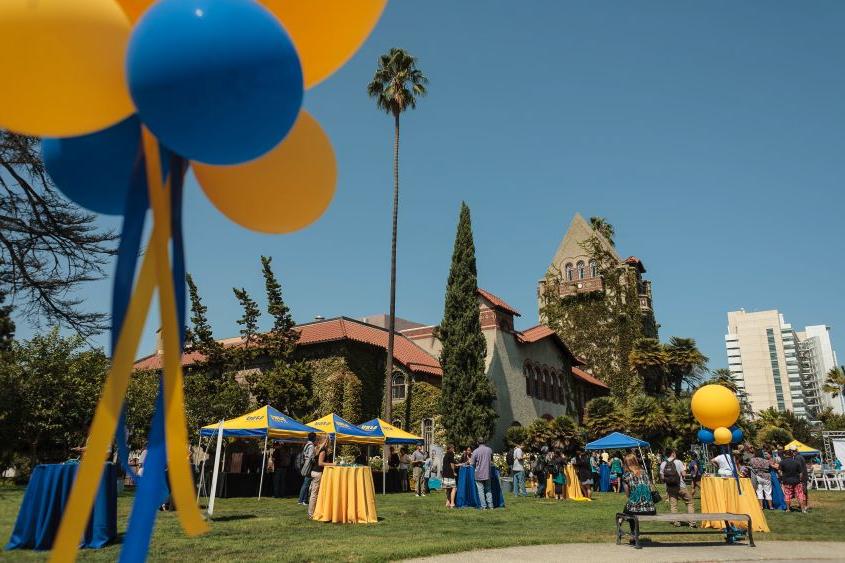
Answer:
(686, 364)
(835, 382)
(648, 359)
(395, 87)
(601, 225)
(604, 415)
(647, 417)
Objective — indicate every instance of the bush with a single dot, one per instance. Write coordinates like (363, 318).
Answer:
(515, 435)
(773, 436)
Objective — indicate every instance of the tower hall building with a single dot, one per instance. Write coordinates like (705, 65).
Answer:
(776, 366)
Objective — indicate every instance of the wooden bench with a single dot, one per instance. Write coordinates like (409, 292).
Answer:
(636, 519)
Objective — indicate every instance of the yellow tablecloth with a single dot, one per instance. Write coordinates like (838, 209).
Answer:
(719, 494)
(573, 486)
(346, 496)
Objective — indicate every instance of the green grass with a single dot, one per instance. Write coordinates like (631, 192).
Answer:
(277, 529)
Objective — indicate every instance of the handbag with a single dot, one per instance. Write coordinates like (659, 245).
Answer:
(655, 495)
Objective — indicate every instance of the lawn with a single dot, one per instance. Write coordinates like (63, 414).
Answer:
(277, 529)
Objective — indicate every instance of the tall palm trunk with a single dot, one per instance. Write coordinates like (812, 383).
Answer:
(391, 324)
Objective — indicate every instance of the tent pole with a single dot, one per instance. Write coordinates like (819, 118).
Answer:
(384, 468)
(201, 483)
(216, 474)
(334, 449)
(263, 465)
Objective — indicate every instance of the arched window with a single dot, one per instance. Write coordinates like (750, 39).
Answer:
(556, 396)
(594, 269)
(526, 371)
(568, 270)
(581, 272)
(547, 385)
(398, 386)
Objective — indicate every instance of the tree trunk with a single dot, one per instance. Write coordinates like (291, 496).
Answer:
(391, 325)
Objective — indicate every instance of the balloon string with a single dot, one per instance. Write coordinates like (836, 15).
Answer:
(179, 472)
(78, 509)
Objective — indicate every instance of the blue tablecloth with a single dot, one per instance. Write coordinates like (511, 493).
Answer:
(604, 478)
(467, 495)
(778, 500)
(44, 502)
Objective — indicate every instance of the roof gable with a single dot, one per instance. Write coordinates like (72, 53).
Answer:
(570, 247)
(496, 302)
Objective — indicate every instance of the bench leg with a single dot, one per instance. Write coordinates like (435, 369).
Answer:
(750, 533)
(637, 534)
(618, 530)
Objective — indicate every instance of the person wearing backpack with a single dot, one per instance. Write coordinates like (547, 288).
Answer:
(539, 471)
(672, 473)
(304, 462)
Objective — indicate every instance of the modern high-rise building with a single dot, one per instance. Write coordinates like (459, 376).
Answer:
(774, 365)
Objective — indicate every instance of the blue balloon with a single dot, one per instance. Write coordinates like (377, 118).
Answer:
(705, 436)
(94, 170)
(218, 81)
(736, 435)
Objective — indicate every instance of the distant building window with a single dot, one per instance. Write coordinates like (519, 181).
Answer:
(594, 269)
(569, 273)
(581, 272)
(398, 386)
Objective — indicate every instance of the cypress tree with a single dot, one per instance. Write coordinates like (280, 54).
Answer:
(249, 320)
(200, 337)
(467, 395)
(282, 338)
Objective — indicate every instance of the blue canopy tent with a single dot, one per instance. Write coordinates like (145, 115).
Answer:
(617, 441)
(620, 441)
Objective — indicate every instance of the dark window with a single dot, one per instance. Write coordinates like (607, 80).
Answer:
(398, 386)
(594, 269)
(581, 271)
(568, 270)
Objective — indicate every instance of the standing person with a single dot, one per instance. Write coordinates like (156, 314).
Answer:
(694, 468)
(323, 460)
(672, 473)
(805, 477)
(616, 472)
(404, 464)
(594, 468)
(539, 471)
(278, 458)
(417, 462)
(792, 480)
(725, 463)
(558, 469)
(428, 469)
(761, 467)
(308, 455)
(518, 472)
(466, 455)
(481, 460)
(640, 501)
(393, 481)
(449, 474)
(585, 474)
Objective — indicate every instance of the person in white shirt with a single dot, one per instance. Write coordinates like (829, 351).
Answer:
(518, 472)
(672, 473)
(725, 463)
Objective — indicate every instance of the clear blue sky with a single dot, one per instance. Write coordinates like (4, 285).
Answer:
(711, 134)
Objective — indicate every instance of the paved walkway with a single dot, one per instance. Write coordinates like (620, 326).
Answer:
(653, 552)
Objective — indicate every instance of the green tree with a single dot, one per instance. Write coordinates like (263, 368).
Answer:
(685, 363)
(834, 383)
(7, 327)
(200, 336)
(48, 245)
(830, 420)
(648, 359)
(282, 338)
(249, 319)
(647, 418)
(682, 428)
(603, 227)
(604, 415)
(467, 394)
(423, 402)
(773, 437)
(140, 404)
(516, 435)
(539, 433)
(395, 87)
(55, 383)
(286, 387)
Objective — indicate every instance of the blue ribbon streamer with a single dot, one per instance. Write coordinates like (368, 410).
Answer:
(153, 488)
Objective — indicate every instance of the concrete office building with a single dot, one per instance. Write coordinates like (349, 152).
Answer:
(775, 366)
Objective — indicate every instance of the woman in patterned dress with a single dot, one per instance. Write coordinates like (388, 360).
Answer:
(639, 501)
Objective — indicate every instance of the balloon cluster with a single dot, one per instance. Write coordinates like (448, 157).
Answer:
(218, 82)
(717, 409)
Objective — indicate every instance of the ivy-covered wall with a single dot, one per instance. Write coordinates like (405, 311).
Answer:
(601, 326)
(422, 402)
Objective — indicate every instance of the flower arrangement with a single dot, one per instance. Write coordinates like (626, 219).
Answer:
(501, 463)
(376, 463)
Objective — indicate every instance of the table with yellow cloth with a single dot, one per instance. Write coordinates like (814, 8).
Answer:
(719, 494)
(573, 486)
(346, 496)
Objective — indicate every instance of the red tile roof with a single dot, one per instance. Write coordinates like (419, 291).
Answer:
(584, 376)
(404, 351)
(540, 332)
(634, 261)
(498, 302)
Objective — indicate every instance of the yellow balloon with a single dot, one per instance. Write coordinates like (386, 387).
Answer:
(326, 33)
(282, 191)
(714, 406)
(722, 436)
(62, 62)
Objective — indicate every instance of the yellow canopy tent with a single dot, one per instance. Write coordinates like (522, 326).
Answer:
(344, 432)
(802, 448)
(391, 435)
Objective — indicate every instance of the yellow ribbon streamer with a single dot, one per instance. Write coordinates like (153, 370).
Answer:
(81, 500)
(176, 435)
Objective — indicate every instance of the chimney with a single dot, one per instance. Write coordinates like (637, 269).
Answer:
(159, 343)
